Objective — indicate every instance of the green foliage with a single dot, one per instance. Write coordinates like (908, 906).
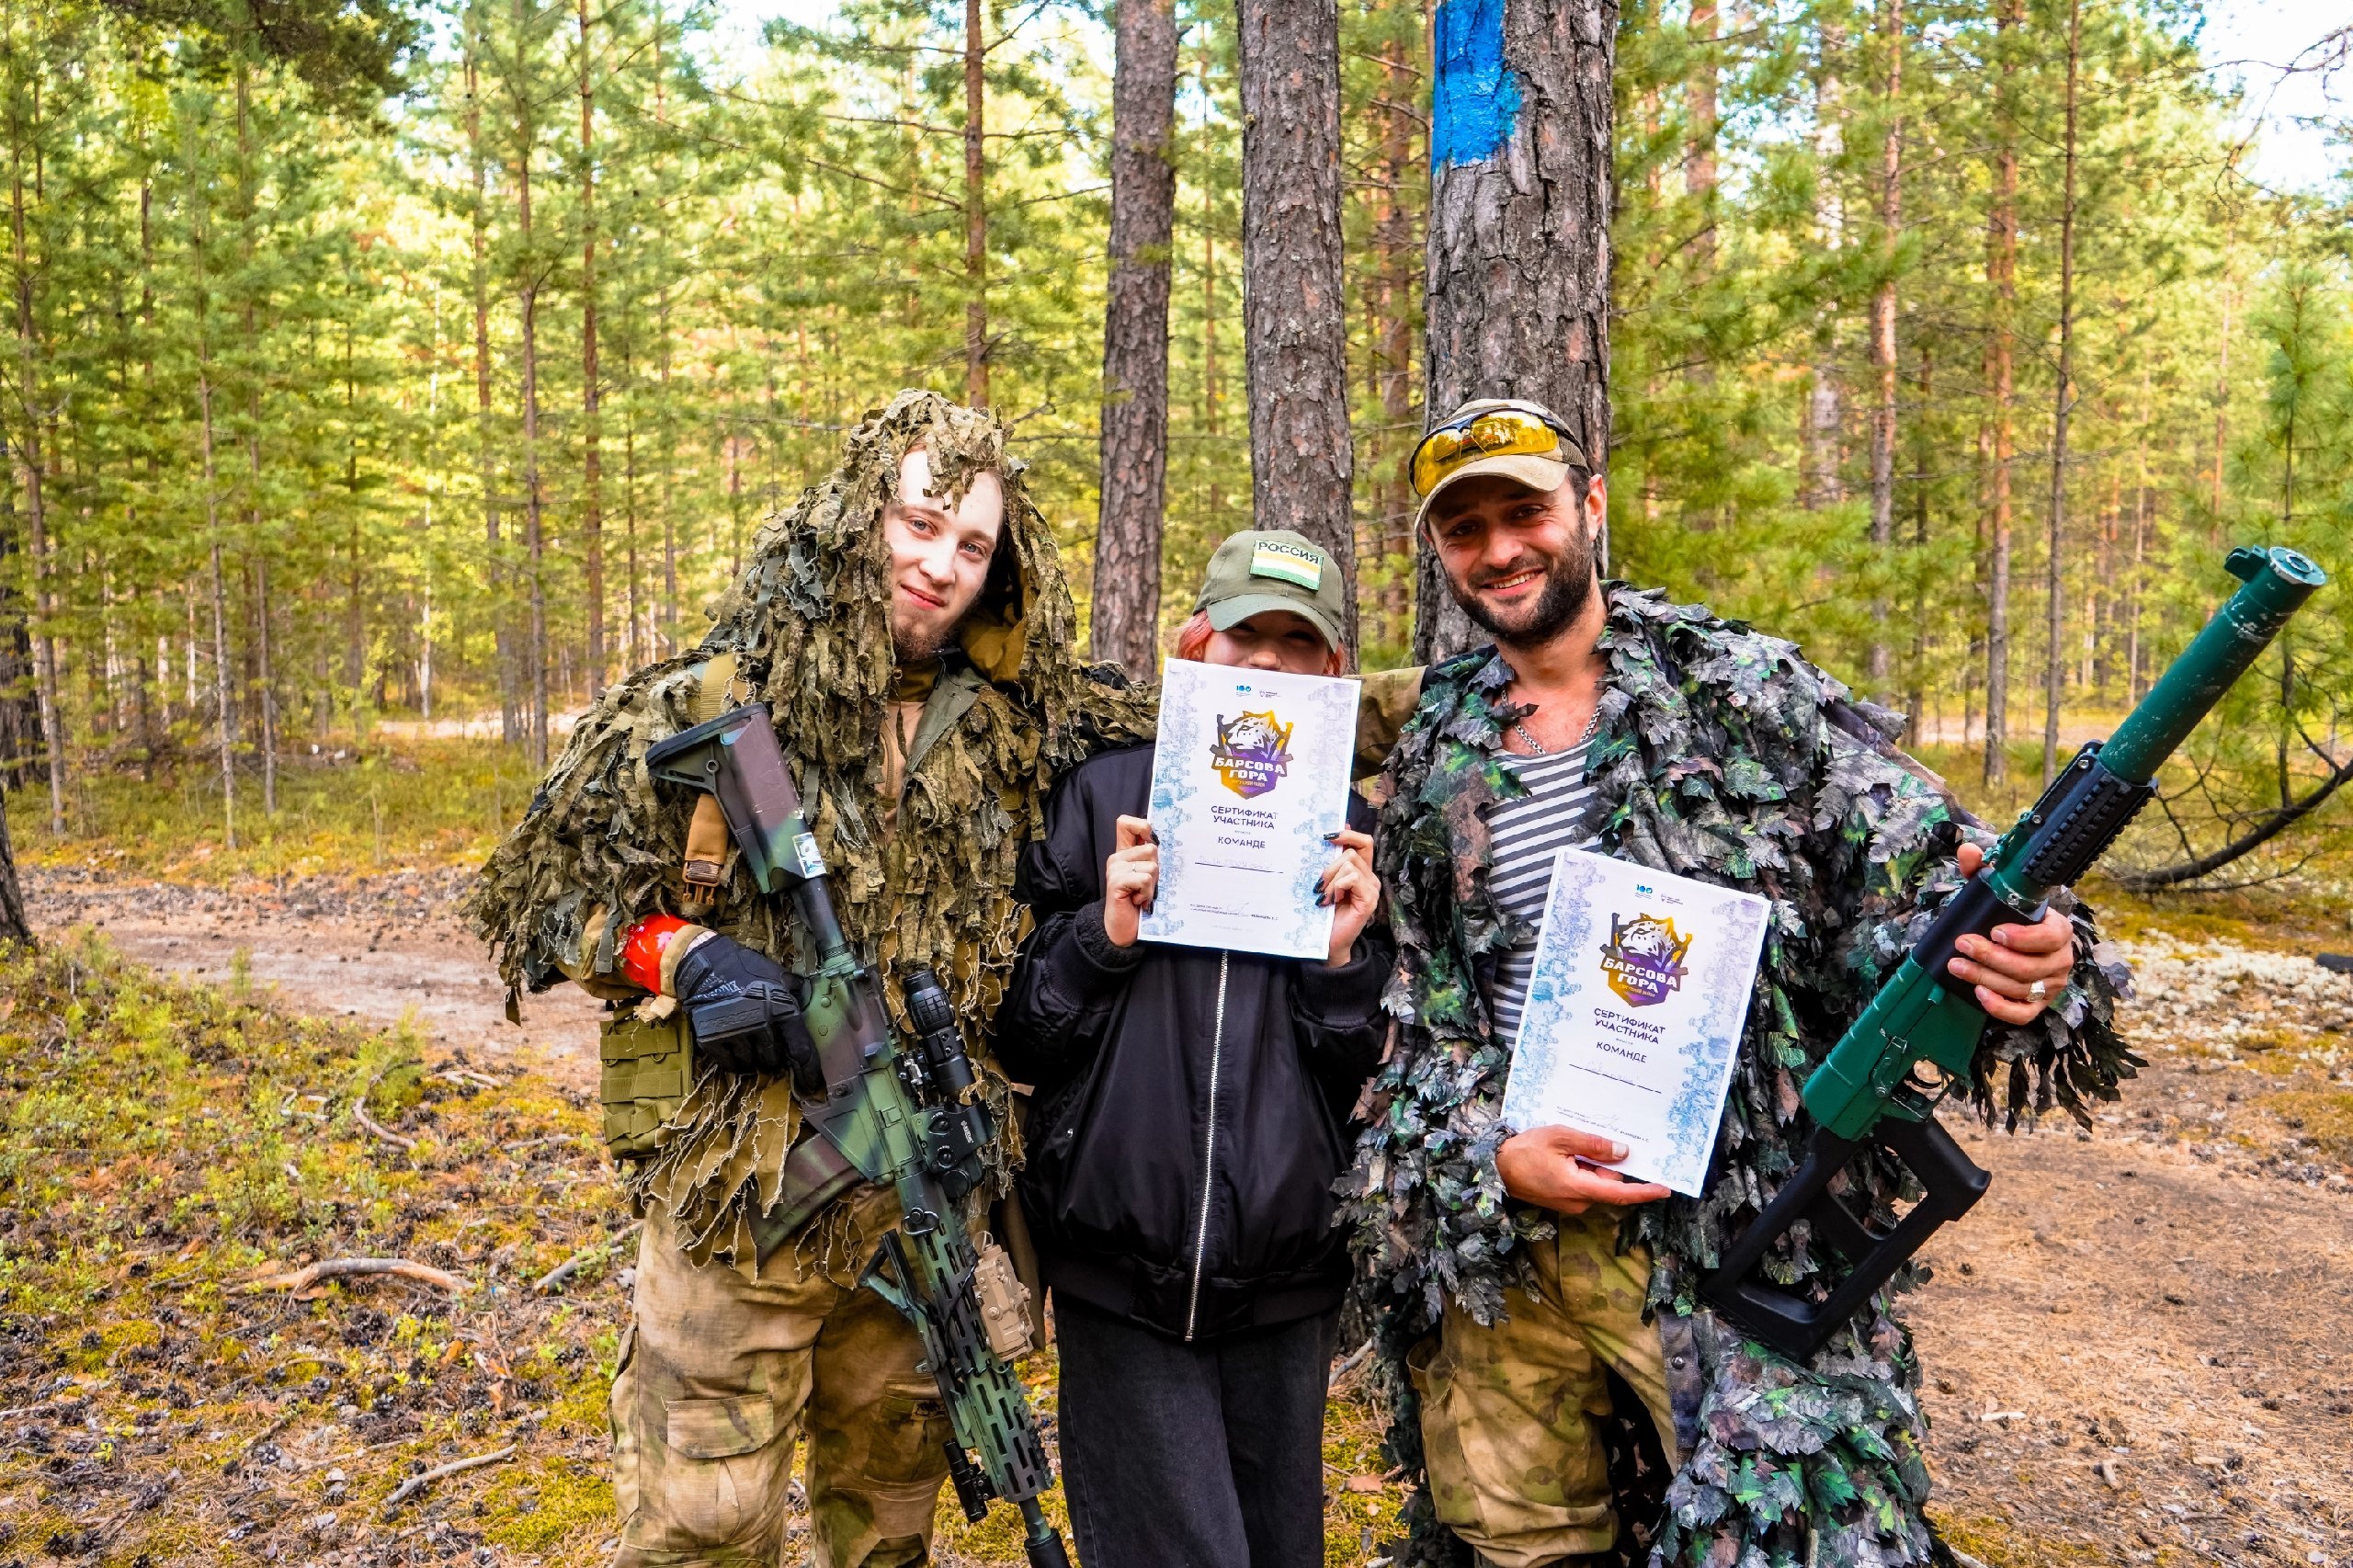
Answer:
(777, 233)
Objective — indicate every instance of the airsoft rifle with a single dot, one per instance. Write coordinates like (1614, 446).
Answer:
(1918, 1037)
(902, 1114)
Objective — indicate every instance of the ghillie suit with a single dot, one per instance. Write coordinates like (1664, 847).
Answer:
(1720, 754)
(922, 875)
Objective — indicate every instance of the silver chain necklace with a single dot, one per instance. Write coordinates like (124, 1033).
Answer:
(1591, 723)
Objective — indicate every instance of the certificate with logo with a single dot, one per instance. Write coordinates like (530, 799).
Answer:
(1249, 774)
(1635, 1012)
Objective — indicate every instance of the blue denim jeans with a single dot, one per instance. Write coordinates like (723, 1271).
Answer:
(1209, 1455)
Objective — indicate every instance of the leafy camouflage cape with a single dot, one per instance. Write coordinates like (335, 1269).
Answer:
(1721, 755)
(808, 622)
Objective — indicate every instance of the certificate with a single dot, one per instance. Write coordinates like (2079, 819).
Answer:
(1249, 775)
(1635, 1011)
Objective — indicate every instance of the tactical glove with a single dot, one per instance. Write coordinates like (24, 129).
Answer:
(744, 1011)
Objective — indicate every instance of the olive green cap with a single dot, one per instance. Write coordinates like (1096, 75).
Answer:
(1264, 569)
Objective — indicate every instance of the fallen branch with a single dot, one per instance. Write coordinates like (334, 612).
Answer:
(359, 1114)
(346, 1268)
(1347, 1368)
(416, 1483)
(580, 1259)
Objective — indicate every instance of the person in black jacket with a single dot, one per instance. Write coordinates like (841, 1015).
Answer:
(1192, 1113)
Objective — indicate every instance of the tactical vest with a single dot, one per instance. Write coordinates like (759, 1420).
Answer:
(648, 1064)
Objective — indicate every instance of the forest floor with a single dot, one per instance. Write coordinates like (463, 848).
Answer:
(2139, 1348)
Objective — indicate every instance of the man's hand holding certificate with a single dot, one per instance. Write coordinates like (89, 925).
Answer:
(1634, 1014)
(1249, 802)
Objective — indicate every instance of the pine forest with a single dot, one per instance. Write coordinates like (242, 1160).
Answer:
(433, 367)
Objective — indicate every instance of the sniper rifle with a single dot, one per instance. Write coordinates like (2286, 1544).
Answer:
(902, 1116)
(1918, 1037)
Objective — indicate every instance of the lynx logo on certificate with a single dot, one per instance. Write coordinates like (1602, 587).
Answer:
(1643, 960)
(1635, 1011)
(1249, 773)
(1251, 753)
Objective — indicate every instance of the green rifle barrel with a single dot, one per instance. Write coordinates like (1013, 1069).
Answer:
(2278, 581)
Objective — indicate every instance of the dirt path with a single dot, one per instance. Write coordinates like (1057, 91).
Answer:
(2139, 1347)
(383, 949)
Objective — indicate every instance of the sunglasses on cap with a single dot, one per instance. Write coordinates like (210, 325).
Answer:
(1511, 430)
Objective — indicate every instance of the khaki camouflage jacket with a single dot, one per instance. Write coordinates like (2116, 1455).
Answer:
(1720, 755)
(922, 837)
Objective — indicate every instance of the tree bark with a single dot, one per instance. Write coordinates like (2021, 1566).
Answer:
(1517, 290)
(1294, 326)
(14, 925)
(268, 685)
(1126, 609)
(2002, 276)
(219, 615)
(591, 499)
(510, 718)
(1825, 479)
(52, 720)
(976, 213)
(1883, 351)
(1393, 356)
(1916, 691)
(2222, 417)
(2062, 406)
(534, 530)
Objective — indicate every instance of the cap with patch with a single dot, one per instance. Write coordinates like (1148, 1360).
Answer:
(1260, 569)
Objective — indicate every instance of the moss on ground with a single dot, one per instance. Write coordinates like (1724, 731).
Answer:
(162, 1146)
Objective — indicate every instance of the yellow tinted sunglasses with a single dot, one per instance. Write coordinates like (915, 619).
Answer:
(1492, 433)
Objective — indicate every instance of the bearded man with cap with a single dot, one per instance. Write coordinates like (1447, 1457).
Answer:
(1559, 1388)
(1191, 1115)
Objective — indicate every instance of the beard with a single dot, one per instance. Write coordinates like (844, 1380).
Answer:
(1568, 586)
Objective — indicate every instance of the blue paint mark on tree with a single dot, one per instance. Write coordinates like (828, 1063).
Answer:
(1476, 97)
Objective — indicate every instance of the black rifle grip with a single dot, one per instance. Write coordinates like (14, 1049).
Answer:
(1951, 1185)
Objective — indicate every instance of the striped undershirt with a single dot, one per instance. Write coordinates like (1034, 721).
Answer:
(1557, 813)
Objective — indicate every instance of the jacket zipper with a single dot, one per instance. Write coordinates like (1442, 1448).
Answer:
(1209, 1154)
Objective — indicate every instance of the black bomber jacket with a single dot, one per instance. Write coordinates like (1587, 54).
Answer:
(1192, 1105)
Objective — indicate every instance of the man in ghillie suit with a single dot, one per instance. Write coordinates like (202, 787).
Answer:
(1559, 1387)
(908, 625)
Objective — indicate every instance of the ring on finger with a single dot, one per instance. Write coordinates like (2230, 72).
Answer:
(2039, 992)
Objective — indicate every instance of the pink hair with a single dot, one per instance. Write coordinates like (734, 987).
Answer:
(1193, 643)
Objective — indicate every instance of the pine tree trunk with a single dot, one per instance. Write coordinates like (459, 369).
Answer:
(1517, 291)
(2062, 406)
(251, 511)
(669, 516)
(1294, 323)
(1825, 484)
(1883, 349)
(52, 722)
(591, 499)
(976, 213)
(268, 685)
(1393, 341)
(1915, 693)
(1699, 185)
(534, 520)
(220, 613)
(510, 716)
(14, 925)
(2001, 275)
(1126, 609)
(2222, 419)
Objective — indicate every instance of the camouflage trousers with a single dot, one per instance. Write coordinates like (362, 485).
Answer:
(1512, 1416)
(720, 1375)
